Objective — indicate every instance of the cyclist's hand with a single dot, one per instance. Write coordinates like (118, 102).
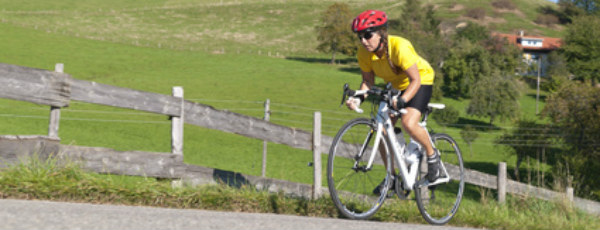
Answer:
(353, 103)
(398, 103)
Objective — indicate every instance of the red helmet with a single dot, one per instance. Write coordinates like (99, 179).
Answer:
(369, 21)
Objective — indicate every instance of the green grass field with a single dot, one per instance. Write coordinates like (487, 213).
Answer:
(232, 55)
(221, 61)
(228, 54)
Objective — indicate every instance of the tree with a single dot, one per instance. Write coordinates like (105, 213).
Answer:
(557, 72)
(587, 6)
(335, 34)
(472, 32)
(525, 140)
(475, 55)
(503, 55)
(469, 134)
(418, 18)
(446, 116)
(582, 48)
(466, 63)
(575, 109)
(495, 96)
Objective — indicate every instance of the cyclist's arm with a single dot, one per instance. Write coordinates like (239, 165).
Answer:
(368, 80)
(415, 83)
(366, 84)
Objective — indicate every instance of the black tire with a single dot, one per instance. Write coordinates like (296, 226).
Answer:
(350, 183)
(439, 203)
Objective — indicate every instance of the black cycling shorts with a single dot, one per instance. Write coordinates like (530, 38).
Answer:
(421, 98)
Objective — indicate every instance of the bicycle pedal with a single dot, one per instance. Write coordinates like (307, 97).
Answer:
(422, 183)
(426, 183)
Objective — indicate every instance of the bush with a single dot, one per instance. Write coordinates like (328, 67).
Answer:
(504, 4)
(473, 32)
(445, 117)
(547, 19)
(476, 13)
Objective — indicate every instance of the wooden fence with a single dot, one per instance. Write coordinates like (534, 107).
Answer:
(56, 89)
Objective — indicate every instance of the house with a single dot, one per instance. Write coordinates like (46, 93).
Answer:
(535, 48)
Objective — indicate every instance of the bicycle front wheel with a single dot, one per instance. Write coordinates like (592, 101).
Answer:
(357, 190)
(439, 203)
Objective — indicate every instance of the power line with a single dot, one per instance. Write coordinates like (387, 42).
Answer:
(494, 127)
(226, 101)
(275, 111)
(307, 125)
(308, 108)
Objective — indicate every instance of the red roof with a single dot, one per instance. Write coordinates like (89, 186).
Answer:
(548, 43)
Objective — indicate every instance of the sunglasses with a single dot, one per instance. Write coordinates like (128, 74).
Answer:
(365, 35)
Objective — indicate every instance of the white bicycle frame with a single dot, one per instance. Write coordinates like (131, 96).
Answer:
(407, 172)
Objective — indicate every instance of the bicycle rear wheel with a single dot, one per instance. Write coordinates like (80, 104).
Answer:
(439, 203)
(351, 183)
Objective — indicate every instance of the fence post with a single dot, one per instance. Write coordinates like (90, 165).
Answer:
(177, 125)
(570, 195)
(501, 182)
(317, 155)
(569, 192)
(55, 111)
(264, 156)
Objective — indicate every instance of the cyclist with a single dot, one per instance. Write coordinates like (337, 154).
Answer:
(394, 59)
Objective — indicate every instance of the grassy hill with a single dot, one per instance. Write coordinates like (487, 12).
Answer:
(229, 54)
(249, 26)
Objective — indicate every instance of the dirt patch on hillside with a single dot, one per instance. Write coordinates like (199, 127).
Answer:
(515, 12)
(457, 7)
(487, 20)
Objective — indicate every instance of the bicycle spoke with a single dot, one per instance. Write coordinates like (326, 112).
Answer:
(351, 184)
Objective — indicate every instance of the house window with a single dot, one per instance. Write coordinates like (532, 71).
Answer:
(531, 42)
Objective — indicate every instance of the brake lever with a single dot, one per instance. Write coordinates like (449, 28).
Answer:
(346, 88)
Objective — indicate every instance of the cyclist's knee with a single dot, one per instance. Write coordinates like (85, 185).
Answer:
(410, 125)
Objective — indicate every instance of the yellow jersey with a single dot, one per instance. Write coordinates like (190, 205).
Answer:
(403, 55)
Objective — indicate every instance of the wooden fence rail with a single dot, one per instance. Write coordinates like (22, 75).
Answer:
(34, 85)
(56, 89)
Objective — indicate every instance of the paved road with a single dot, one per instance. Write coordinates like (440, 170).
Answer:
(27, 214)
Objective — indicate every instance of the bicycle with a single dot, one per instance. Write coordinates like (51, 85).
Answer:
(355, 167)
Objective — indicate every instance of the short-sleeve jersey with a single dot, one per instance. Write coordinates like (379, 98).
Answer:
(403, 55)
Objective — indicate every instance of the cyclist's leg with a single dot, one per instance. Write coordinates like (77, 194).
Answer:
(410, 122)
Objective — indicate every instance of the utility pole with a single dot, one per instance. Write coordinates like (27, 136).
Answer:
(537, 96)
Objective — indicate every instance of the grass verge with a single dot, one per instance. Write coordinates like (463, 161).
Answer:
(49, 180)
